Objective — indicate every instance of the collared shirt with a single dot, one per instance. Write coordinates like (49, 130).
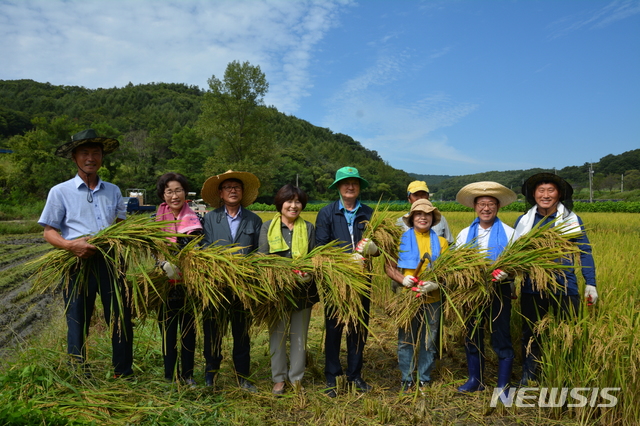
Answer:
(349, 215)
(68, 210)
(234, 222)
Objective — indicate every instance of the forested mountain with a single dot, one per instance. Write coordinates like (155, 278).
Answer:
(159, 130)
(608, 175)
(175, 127)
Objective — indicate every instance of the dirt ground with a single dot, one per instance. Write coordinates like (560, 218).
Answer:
(23, 313)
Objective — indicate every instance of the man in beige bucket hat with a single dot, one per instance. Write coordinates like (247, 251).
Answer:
(488, 233)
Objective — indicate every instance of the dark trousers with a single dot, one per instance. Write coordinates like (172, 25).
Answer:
(498, 318)
(214, 329)
(174, 316)
(533, 308)
(356, 338)
(79, 299)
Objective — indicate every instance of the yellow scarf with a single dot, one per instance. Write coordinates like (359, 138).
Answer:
(299, 238)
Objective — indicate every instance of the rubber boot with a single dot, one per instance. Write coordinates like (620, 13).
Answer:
(474, 366)
(505, 367)
(529, 367)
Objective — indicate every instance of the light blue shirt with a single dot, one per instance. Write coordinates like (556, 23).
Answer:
(234, 222)
(68, 210)
(349, 215)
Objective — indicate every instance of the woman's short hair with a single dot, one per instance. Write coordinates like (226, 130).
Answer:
(161, 185)
(289, 192)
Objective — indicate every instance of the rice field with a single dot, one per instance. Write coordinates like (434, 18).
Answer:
(601, 349)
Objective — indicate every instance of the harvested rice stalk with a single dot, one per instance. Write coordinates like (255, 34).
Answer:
(383, 231)
(124, 245)
(212, 274)
(538, 254)
(458, 273)
(275, 276)
(154, 296)
(341, 282)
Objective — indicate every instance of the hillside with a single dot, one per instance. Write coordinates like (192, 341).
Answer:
(160, 127)
(157, 125)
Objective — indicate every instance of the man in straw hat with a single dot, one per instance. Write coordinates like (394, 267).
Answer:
(344, 221)
(418, 190)
(488, 233)
(230, 223)
(77, 208)
(419, 247)
(550, 196)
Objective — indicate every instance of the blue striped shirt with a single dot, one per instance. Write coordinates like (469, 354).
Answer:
(68, 210)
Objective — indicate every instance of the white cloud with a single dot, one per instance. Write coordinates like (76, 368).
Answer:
(109, 43)
(402, 129)
(600, 18)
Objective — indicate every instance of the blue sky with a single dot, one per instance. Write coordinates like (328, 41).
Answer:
(435, 87)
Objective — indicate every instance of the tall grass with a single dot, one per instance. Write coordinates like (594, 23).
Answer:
(600, 349)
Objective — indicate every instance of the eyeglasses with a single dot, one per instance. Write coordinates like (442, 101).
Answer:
(232, 188)
(489, 205)
(177, 192)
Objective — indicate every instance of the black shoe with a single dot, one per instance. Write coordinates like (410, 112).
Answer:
(248, 386)
(208, 379)
(361, 385)
(406, 387)
(330, 391)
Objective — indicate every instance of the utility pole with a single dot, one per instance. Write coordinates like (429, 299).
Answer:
(590, 182)
(622, 182)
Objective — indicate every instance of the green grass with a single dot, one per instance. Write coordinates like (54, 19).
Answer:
(602, 350)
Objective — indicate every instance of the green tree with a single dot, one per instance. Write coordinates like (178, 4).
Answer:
(235, 119)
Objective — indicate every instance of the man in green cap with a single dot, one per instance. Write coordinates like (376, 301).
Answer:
(344, 221)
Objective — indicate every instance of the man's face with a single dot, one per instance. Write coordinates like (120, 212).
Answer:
(349, 188)
(231, 193)
(546, 195)
(487, 209)
(418, 195)
(88, 158)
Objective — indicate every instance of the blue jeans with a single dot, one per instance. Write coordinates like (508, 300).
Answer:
(423, 333)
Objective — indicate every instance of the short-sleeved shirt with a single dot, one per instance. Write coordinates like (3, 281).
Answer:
(68, 210)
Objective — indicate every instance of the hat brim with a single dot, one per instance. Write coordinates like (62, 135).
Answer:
(468, 194)
(108, 146)
(250, 182)
(529, 187)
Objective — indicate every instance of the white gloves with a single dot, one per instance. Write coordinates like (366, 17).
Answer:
(302, 277)
(409, 281)
(425, 287)
(366, 247)
(358, 258)
(499, 275)
(590, 294)
(172, 271)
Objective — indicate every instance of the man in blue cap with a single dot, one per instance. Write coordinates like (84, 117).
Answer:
(344, 221)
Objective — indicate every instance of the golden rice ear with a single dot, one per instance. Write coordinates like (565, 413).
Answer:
(128, 248)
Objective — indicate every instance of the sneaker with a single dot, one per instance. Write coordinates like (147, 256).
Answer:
(278, 388)
(248, 386)
(189, 381)
(361, 385)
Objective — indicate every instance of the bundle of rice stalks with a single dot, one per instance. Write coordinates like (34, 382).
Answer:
(274, 276)
(539, 255)
(126, 245)
(154, 296)
(212, 275)
(458, 273)
(341, 282)
(383, 231)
